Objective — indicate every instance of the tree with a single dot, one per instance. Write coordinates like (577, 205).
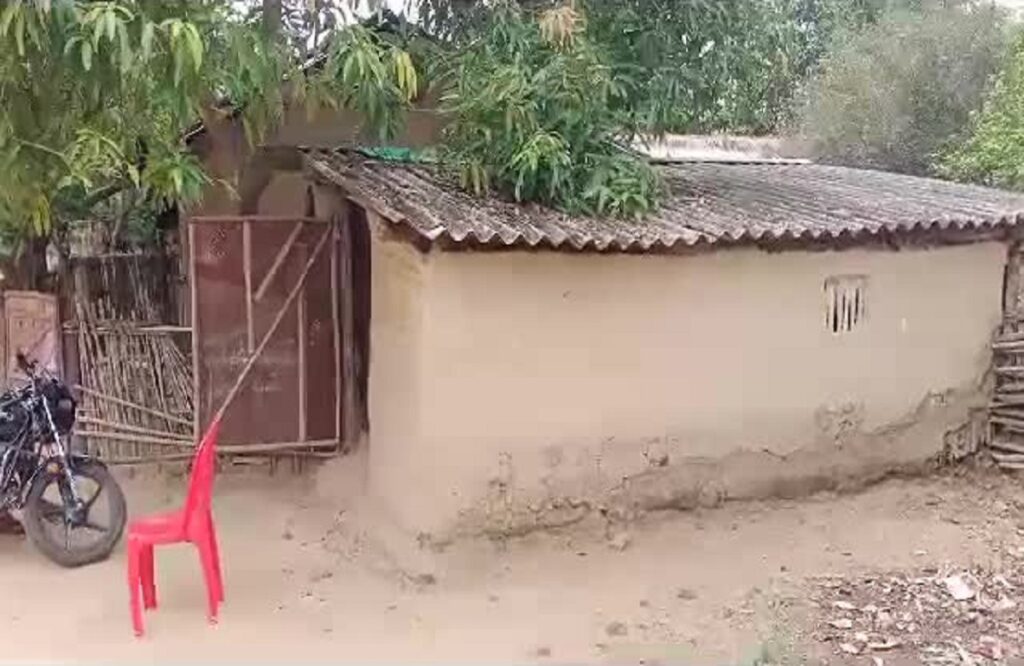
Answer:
(690, 66)
(903, 89)
(95, 95)
(993, 153)
(704, 65)
(542, 97)
(537, 113)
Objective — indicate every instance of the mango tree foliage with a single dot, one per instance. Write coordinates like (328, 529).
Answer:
(537, 113)
(542, 98)
(695, 66)
(703, 65)
(540, 95)
(94, 96)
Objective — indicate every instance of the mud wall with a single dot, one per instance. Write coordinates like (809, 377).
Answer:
(399, 278)
(510, 390)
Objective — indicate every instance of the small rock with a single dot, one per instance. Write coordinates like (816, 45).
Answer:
(990, 647)
(877, 661)
(620, 541)
(844, 605)
(849, 648)
(870, 609)
(686, 594)
(616, 629)
(886, 644)
(287, 534)
(1004, 605)
(644, 603)
(493, 598)
(543, 651)
(841, 623)
(425, 579)
(958, 588)
(323, 574)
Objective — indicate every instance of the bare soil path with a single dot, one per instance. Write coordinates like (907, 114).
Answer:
(306, 582)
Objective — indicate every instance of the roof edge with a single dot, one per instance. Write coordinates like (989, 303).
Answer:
(955, 228)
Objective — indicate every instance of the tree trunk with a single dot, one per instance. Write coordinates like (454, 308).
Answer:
(30, 266)
(272, 19)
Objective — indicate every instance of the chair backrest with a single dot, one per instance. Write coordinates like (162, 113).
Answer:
(204, 466)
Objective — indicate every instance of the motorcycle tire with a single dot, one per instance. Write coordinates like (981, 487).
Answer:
(54, 548)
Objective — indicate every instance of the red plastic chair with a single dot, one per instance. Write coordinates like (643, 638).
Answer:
(193, 524)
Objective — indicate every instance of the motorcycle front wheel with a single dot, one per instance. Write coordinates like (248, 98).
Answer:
(75, 536)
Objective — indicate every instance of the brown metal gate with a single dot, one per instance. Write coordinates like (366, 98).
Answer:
(270, 287)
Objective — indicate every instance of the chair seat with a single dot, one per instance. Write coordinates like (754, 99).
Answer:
(158, 524)
(161, 526)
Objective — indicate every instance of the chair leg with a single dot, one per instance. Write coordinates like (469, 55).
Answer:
(148, 571)
(210, 576)
(135, 587)
(216, 561)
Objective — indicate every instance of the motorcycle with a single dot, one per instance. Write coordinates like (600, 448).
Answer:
(60, 493)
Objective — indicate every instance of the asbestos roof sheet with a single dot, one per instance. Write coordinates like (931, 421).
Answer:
(706, 203)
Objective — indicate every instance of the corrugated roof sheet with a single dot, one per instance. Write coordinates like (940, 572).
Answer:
(708, 203)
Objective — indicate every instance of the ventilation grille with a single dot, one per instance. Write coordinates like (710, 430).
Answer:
(845, 303)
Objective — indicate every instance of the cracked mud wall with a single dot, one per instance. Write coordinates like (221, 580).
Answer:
(516, 390)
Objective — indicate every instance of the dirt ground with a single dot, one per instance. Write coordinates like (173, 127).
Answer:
(308, 581)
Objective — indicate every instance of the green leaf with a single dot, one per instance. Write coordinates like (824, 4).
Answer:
(19, 33)
(110, 21)
(194, 44)
(146, 42)
(86, 56)
(7, 17)
(124, 47)
(177, 180)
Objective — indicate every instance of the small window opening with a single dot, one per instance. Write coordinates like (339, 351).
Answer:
(845, 303)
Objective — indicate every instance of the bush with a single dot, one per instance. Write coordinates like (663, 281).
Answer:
(993, 154)
(902, 91)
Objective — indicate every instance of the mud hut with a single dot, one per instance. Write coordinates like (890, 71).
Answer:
(776, 327)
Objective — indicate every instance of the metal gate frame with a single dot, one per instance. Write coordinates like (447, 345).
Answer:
(254, 289)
